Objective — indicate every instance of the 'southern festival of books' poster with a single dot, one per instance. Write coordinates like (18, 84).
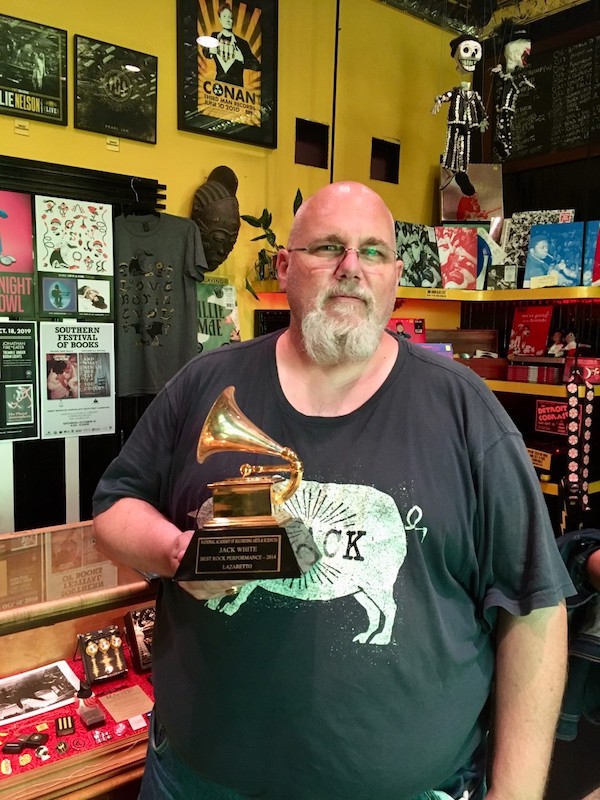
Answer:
(77, 363)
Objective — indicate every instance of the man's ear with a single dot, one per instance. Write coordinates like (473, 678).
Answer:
(282, 263)
(399, 268)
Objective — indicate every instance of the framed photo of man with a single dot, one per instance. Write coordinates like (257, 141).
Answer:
(115, 90)
(227, 69)
(33, 70)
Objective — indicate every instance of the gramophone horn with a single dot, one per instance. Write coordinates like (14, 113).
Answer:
(227, 430)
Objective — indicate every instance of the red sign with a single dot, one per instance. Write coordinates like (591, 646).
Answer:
(551, 416)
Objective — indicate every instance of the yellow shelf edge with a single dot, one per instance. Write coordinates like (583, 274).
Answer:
(486, 295)
(552, 488)
(546, 389)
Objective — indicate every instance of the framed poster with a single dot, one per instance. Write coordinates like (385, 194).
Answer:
(18, 381)
(77, 365)
(33, 70)
(227, 69)
(115, 90)
(17, 278)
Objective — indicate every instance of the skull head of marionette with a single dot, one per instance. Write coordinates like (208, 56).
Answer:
(466, 50)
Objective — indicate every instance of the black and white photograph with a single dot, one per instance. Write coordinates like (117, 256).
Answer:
(37, 691)
(33, 70)
(417, 247)
(115, 90)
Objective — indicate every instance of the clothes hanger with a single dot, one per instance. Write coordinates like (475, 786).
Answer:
(138, 207)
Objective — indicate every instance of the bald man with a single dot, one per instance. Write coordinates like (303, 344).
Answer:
(370, 676)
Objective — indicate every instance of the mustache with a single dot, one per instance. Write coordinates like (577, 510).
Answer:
(348, 288)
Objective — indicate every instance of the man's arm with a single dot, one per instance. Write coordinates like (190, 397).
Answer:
(531, 662)
(135, 533)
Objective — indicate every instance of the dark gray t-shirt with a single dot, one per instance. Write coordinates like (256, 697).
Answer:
(159, 261)
(369, 676)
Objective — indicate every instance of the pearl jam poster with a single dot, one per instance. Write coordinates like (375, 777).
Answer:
(227, 69)
(18, 381)
(115, 90)
(77, 377)
(33, 71)
(17, 296)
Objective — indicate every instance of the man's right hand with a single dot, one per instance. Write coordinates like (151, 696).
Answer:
(206, 590)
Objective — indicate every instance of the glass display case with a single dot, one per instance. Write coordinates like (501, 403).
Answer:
(55, 585)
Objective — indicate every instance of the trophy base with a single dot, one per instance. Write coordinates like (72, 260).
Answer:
(221, 552)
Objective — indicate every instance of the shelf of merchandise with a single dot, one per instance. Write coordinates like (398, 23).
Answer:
(552, 488)
(539, 389)
(554, 293)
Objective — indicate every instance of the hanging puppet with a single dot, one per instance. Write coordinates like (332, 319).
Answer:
(465, 114)
(512, 79)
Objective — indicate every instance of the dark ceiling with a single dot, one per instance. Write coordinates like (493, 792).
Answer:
(480, 17)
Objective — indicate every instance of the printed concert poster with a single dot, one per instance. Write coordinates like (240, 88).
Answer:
(73, 236)
(18, 381)
(115, 90)
(77, 365)
(73, 564)
(227, 69)
(17, 296)
(21, 559)
(33, 70)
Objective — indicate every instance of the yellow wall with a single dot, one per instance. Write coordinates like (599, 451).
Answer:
(391, 66)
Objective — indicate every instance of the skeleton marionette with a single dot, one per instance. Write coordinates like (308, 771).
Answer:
(466, 111)
(512, 80)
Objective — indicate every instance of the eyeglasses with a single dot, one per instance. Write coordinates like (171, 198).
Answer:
(334, 253)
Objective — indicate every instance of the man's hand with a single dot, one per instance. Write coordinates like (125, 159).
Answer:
(206, 590)
(178, 548)
(201, 590)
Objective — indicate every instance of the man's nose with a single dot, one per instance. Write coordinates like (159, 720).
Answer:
(350, 263)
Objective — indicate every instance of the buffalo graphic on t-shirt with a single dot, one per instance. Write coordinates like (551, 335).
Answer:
(360, 535)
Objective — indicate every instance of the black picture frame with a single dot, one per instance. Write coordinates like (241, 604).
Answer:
(115, 90)
(243, 108)
(33, 70)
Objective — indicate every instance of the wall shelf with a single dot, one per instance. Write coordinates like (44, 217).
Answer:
(408, 293)
(555, 294)
(552, 488)
(545, 389)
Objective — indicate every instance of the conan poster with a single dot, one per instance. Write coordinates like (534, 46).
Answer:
(17, 297)
(227, 69)
(33, 70)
